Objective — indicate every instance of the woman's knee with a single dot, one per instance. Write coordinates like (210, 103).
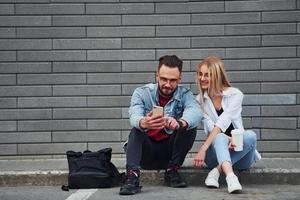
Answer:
(220, 139)
(250, 138)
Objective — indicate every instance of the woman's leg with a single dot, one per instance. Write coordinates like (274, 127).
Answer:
(244, 159)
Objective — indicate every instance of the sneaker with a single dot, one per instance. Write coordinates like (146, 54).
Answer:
(212, 179)
(233, 183)
(257, 156)
(132, 183)
(173, 178)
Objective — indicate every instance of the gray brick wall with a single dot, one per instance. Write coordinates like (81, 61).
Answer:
(69, 67)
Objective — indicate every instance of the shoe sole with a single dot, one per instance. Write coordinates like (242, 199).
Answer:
(137, 190)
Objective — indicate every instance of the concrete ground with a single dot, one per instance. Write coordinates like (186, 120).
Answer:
(257, 192)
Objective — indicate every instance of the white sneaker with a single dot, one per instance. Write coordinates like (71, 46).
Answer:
(257, 156)
(212, 179)
(233, 183)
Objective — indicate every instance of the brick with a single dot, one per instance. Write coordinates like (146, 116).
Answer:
(51, 102)
(84, 1)
(237, 6)
(108, 124)
(232, 41)
(7, 32)
(51, 79)
(8, 126)
(49, 125)
(262, 52)
(43, 67)
(86, 43)
(25, 21)
(298, 98)
(153, 0)
(155, 19)
(288, 111)
(226, 18)
(125, 114)
(6, 91)
(269, 99)
(110, 101)
(49, 148)
(277, 146)
(191, 7)
(139, 66)
(247, 88)
(25, 137)
(25, 44)
(240, 65)
(86, 67)
(18, 114)
(281, 40)
(8, 102)
(51, 55)
(116, 147)
(86, 113)
(249, 111)
(281, 16)
(121, 8)
(147, 66)
(87, 136)
(289, 63)
(280, 134)
(128, 31)
(283, 87)
(86, 20)
(196, 30)
(155, 43)
(75, 90)
(298, 27)
(190, 53)
(272, 122)
(51, 32)
(8, 56)
(106, 78)
(49, 9)
(298, 74)
(253, 76)
(8, 149)
(115, 55)
(272, 28)
(7, 9)
(8, 80)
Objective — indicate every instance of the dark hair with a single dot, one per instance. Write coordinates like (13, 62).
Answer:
(171, 61)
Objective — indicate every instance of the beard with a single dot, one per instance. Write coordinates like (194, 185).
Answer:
(166, 92)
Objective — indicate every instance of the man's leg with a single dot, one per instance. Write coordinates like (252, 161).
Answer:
(134, 150)
(180, 144)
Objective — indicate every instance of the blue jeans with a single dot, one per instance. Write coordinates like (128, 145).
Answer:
(218, 152)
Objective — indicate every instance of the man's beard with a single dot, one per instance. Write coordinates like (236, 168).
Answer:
(161, 92)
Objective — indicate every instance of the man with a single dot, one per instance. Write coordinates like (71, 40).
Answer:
(161, 141)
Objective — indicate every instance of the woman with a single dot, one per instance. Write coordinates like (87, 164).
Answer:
(222, 106)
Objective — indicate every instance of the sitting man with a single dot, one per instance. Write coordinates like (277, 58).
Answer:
(161, 141)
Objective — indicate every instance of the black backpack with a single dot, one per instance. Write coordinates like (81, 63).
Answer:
(92, 170)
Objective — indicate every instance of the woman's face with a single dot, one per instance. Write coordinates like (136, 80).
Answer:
(204, 77)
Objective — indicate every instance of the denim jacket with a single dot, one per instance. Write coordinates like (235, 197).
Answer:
(182, 105)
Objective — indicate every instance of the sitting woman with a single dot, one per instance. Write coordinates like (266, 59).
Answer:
(222, 106)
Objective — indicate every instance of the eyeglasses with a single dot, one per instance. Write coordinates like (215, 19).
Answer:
(164, 80)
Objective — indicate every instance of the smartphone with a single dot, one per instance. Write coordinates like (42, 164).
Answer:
(158, 110)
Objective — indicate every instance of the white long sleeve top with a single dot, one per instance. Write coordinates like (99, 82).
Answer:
(232, 106)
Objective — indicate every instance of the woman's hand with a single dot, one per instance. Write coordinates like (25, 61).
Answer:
(199, 159)
(231, 145)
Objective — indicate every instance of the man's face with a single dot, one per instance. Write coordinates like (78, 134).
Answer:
(168, 80)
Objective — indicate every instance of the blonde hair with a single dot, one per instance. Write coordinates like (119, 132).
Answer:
(218, 77)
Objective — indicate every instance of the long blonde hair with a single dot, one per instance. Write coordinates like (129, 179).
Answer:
(218, 77)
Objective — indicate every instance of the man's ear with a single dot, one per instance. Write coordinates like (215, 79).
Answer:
(156, 77)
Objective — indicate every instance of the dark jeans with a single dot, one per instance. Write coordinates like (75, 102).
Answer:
(144, 152)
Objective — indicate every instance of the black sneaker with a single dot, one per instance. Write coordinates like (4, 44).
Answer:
(132, 183)
(173, 178)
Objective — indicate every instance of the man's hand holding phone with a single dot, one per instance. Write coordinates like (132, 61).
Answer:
(154, 119)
